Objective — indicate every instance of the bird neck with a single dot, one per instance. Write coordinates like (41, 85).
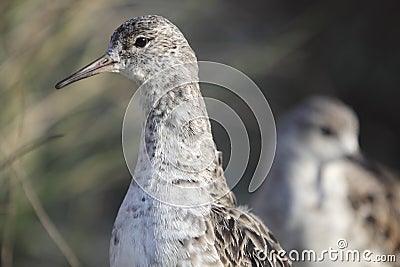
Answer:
(177, 146)
(176, 119)
(156, 87)
(295, 161)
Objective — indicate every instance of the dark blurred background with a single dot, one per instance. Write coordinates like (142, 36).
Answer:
(291, 49)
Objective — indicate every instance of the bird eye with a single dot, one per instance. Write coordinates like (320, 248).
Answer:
(141, 42)
(325, 130)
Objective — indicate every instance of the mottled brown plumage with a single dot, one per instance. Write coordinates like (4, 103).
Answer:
(241, 237)
(374, 194)
(243, 240)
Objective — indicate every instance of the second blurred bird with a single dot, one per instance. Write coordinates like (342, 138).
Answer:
(322, 193)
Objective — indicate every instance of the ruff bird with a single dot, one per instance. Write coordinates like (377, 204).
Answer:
(176, 211)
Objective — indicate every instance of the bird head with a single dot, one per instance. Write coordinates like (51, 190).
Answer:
(323, 128)
(139, 49)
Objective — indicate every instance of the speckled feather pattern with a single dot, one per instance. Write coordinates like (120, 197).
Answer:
(374, 195)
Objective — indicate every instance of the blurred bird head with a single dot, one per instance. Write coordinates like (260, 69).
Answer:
(323, 128)
(140, 48)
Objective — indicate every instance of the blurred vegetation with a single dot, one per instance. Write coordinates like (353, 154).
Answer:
(291, 49)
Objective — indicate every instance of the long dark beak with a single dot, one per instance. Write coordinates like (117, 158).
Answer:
(100, 65)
